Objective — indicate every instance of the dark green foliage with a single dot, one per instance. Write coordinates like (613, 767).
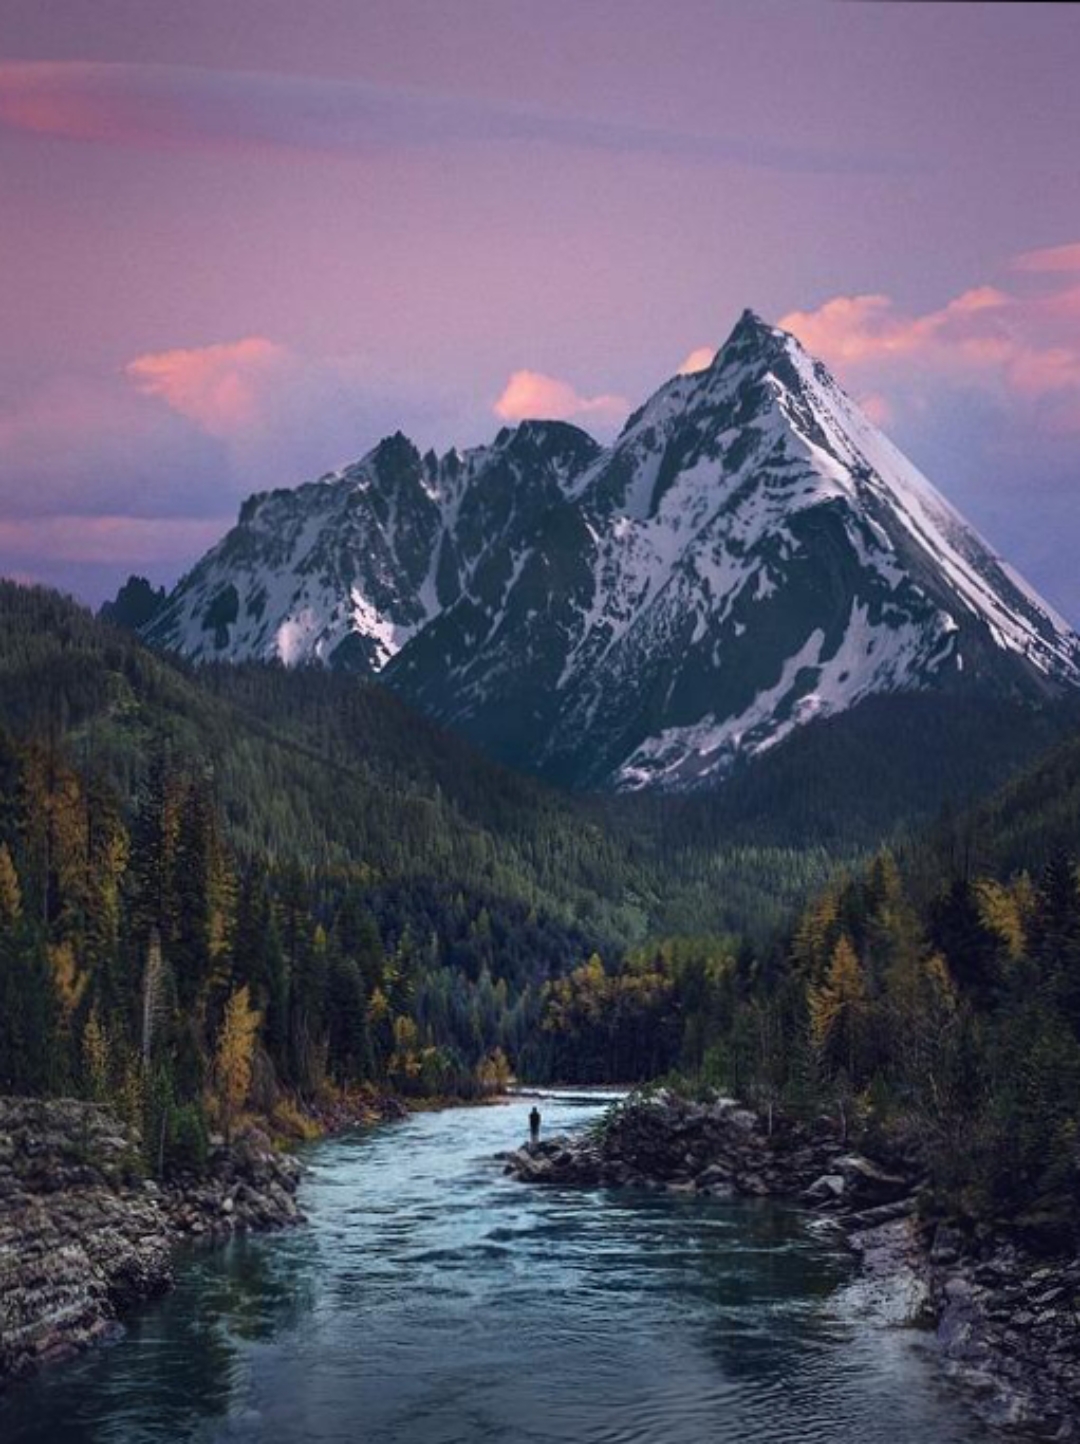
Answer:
(399, 909)
(947, 1029)
(30, 1056)
(971, 950)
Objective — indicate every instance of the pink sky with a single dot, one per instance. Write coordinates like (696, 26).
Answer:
(243, 240)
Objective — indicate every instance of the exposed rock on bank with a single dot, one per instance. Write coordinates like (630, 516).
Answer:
(1007, 1321)
(248, 1185)
(83, 1236)
(717, 1149)
(1009, 1329)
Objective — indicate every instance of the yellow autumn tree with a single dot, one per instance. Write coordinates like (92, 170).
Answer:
(1005, 909)
(839, 1011)
(10, 891)
(96, 1056)
(494, 1074)
(235, 1054)
(69, 980)
(406, 1061)
(815, 935)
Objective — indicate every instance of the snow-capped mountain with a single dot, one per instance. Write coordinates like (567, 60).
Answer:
(751, 553)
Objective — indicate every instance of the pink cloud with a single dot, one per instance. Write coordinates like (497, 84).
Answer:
(1049, 260)
(283, 417)
(700, 359)
(142, 470)
(871, 327)
(220, 387)
(1014, 343)
(530, 395)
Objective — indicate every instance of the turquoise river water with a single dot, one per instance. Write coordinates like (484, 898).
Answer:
(430, 1300)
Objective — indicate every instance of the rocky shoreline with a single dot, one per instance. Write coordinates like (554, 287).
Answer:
(1006, 1320)
(84, 1236)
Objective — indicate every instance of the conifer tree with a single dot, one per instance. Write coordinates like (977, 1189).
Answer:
(235, 1055)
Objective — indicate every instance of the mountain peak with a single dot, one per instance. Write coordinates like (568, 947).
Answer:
(752, 339)
(751, 321)
(395, 451)
(749, 554)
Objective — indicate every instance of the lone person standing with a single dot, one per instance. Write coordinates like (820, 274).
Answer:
(534, 1126)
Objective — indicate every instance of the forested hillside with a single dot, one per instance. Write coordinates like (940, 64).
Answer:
(238, 886)
(929, 1001)
(329, 771)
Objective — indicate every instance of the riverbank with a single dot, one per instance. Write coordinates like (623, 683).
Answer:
(1006, 1320)
(85, 1236)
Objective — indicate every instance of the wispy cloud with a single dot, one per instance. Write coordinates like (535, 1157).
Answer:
(984, 392)
(182, 106)
(220, 387)
(1050, 259)
(283, 416)
(148, 466)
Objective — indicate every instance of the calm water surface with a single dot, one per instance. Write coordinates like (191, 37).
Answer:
(432, 1301)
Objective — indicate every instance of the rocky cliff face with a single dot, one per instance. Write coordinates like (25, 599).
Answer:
(83, 1236)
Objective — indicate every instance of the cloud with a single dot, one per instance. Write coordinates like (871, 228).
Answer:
(167, 106)
(984, 393)
(220, 387)
(530, 395)
(1049, 260)
(857, 329)
(1018, 343)
(700, 359)
(145, 468)
(283, 417)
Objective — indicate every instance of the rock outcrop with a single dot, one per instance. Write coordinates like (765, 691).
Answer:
(717, 1149)
(1008, 1328)
(84, 1236)
(81, 1236)
(247, 1185)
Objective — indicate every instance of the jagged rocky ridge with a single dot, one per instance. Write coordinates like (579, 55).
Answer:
(750, 554)
(1006, 1317)
(83, 1236)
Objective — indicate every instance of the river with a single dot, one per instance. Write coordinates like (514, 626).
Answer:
(430, 1300)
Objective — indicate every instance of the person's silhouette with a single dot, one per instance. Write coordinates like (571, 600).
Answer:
(534, 1125)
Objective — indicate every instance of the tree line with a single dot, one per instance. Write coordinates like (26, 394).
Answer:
(937, 1020)
(143, 963)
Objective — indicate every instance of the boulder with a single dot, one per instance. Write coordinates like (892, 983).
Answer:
(829, 1188)
(867, 1182)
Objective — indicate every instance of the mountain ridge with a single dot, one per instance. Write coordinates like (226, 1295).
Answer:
(749, 554)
